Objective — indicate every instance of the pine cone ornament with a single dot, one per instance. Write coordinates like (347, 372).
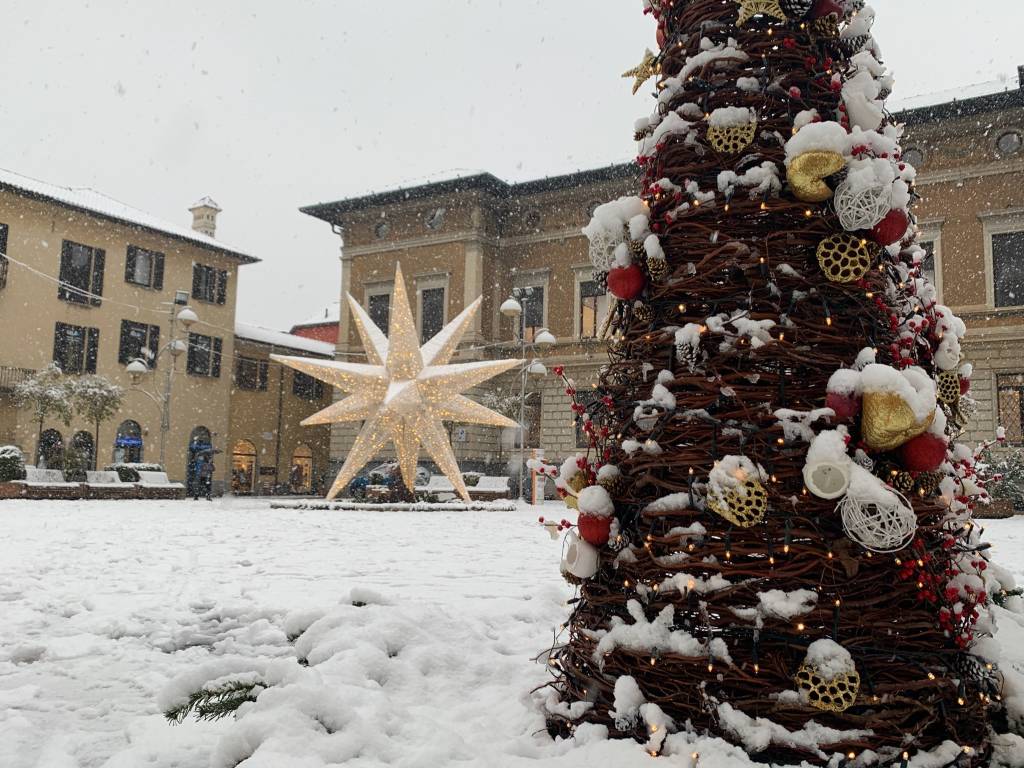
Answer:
(636, 247)
(601, 278)
(657, 268)
(928, 482)
(619, 543)
(904, 482)
(796, 9)
(643, 313)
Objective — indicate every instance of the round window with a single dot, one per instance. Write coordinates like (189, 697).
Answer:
(382, 229)
(914, 157)
(1010, 143)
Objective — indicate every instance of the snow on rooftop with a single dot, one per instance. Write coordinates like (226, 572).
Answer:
(90, 200)
(326, 316)
(205, 202)
(1006, 82)
(282, 339)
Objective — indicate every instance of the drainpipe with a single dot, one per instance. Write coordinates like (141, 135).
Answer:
(280, 417)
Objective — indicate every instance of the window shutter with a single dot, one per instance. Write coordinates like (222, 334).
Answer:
(58, 344)
(158, 271)
(99, 257)
(92, 349)
(65, 270)
(263, 375)
(154, 344)
(197, 271)
(217, 347)
(222, 287)
(124, 347)
(129, 265)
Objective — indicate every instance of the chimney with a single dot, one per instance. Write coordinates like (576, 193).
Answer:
(1020, 76)
(204, 216)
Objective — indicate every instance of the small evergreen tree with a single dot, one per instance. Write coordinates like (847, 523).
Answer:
(46, 393)
(96, 399)
(12, 466)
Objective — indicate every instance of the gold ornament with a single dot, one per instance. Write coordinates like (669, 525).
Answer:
(658, 269)
(745, 506)
(835, 694)
(751, 8)
(404, 393)
(948, 387)
(731, 139)
(807, 173)
(888, 421)
(643, 71)
(577, 483)
(844, 258)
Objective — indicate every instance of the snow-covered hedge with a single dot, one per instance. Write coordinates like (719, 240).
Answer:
(12, 465)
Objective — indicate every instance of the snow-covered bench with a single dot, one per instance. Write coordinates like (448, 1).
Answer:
(106, 484)
(490, 488)
(156, 485)
(437, 484)
(50, 478)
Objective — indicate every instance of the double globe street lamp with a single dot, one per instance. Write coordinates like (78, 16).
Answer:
(542, 340)
(141, 367)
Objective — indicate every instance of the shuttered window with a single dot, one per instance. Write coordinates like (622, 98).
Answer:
(138, 341)
(144, 267)
(209, 284)
(251, 374)
(75, 348)
(204, 354)
(3, 256)
(81, 274)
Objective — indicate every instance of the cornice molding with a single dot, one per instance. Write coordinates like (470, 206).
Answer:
(970, 172)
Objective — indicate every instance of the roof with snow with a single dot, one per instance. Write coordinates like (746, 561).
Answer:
(273, 338)
(329, 315)
(100, 205)
(482, 182)
(1003, 93)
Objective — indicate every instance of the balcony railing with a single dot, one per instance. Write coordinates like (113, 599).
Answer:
(9, 376)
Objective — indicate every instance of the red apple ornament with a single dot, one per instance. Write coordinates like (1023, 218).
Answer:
(847, 407)
(965, 386)
(594, 530)
(924, 453)
(892, 228)
(626, 283)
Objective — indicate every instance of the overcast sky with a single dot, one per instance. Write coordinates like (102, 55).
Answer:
(267, 106)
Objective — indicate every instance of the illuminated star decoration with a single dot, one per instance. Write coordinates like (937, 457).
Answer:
(404, 392)
(751, 8)
(644, 71)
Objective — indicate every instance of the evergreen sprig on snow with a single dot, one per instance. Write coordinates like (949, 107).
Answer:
(217, 699)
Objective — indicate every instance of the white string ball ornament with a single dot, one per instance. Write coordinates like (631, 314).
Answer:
(884, 524)
(864, 208)
(602, 250)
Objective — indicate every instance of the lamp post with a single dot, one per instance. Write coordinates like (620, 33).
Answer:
(140, 367)
(543, 339)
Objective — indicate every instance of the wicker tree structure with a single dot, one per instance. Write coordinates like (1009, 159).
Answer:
(775, 517)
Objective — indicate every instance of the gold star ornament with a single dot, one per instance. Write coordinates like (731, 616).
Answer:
(751, 8)
(404, 392)
(643, 71)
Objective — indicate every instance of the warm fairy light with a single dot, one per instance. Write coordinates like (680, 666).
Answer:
(711, 667)
(828, 321)
(931, 675)
(764, 206)
(808, 213)
(757, 669)
(626, 583)
(682, 308)
(851, 755)
(654, 728)
(961, 701)
(653, 661)
(831, 555)
(800, 627)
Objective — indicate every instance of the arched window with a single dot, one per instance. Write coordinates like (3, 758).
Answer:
(243, 467)
(84, 448)
(300, 478)
(128, 443)
(50, 451)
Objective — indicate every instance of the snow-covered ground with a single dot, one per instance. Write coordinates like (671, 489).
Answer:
(102, 604)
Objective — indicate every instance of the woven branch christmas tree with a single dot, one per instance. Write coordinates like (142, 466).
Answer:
(775, 514)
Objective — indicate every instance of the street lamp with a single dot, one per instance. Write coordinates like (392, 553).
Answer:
(542, 340)
(141, 367)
